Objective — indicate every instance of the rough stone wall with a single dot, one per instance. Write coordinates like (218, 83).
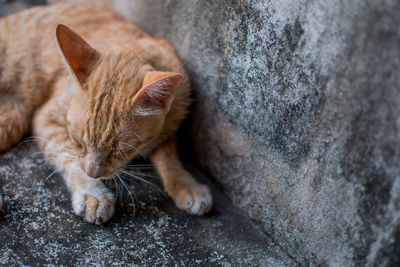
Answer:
(296, 116)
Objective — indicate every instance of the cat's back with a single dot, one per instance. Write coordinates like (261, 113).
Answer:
(35, 27)
(30, 62)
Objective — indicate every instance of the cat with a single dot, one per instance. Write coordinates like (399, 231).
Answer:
(96, 91)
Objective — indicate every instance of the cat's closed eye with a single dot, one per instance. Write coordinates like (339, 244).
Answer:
(118, 154)
(76, 141)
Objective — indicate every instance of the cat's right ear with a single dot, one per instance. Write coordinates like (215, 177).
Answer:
(157, 93)
(78, 55)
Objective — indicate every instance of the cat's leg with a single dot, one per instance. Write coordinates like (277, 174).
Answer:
(188, 195)
(91, 199)
(15, 120)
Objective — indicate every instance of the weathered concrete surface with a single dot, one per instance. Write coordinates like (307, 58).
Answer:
(38, 227)
(297, 116)
(11, 6)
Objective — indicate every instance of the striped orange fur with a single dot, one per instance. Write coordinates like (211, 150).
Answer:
(95, 93)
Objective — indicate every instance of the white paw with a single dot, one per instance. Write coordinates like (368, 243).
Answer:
(95, 203)
(195, 200)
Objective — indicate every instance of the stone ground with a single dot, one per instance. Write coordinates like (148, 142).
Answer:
(38, 227)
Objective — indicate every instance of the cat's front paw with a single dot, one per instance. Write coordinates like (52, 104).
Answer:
(95, 203)
(195, 199)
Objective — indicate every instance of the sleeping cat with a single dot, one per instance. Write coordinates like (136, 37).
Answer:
(95, 94)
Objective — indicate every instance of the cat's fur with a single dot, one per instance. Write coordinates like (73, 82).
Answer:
(120, 92)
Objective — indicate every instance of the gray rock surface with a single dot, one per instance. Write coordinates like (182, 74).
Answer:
(38, 227)
(297, 116)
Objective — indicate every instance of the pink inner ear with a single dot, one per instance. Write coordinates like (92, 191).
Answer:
(157, 93)
(79, 55)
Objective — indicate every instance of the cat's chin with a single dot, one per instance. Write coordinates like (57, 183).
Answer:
(110, 175)
(107, 176)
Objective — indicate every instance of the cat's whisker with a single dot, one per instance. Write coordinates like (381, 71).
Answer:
(143, 180)
(142, 173)
(120, 154)
(130, 192)
(44, 163)
(51, 175)
(141, 167)
(140, 153)
(131, 132)
(120, 150)
(118, 186)
(117, 191)
(135, 168)
(59, 154)
(121, 189)
(29, 139)
(51, 142)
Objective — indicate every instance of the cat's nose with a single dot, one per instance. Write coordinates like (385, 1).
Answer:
(96, 169)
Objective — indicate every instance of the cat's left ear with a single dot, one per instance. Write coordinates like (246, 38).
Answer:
(77, 53)
(157, 93)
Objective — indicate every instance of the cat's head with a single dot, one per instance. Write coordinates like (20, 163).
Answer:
(118, 104)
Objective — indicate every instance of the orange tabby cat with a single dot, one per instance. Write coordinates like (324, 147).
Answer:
(120, 92)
